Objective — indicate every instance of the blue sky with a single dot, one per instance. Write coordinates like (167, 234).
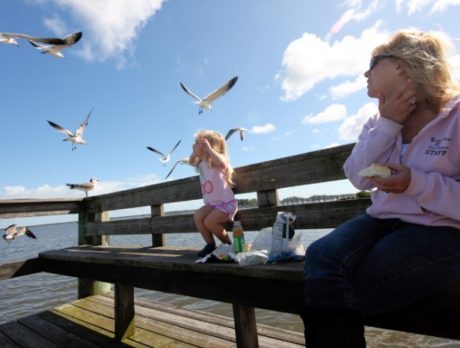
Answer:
(300, 88)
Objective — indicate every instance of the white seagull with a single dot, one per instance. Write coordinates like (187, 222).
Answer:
(74, 137)
(205, 103)
(8, 38)
(164, 158)
(11, 232)
(233, 130)
(86, 186)
(181, 161)
(54, 46)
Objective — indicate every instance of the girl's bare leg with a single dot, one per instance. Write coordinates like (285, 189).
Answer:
(213, 223)
(199, 218)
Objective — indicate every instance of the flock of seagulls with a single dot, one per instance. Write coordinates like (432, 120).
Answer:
(54, 46)
(51, 45)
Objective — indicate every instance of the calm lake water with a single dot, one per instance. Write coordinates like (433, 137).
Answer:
(23, 296)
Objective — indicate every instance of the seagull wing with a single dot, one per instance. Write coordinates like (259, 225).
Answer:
(10, 230)
(61, 129)
(30, 234)
(242, 131)
(190, 93)
(156, 151)
(221, 90)
(73, 38)
(230, 133)
(82, 127)
(181, 161)
(175, 147)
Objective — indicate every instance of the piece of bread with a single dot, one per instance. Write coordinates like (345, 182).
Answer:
(375, 170)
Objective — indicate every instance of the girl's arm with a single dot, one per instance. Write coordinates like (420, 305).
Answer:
(216, 158)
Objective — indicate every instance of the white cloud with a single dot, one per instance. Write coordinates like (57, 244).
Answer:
(56, 25)
(441, 5)
(47, 191)
(348, 87)
(351, 126)
(267, 128)
(455, 63)
(310, 60)
(354, 13)
(332, 113)
(420, 5)
(110, 26)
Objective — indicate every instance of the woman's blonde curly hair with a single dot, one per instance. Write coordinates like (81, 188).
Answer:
(424, 58)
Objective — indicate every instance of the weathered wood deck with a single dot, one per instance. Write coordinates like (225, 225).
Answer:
(89, 322)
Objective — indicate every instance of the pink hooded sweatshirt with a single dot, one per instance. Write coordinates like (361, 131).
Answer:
(433, 195)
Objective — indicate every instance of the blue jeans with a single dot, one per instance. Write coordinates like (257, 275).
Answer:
(374, 265)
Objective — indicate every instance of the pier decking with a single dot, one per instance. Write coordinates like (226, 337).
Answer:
(89, 322)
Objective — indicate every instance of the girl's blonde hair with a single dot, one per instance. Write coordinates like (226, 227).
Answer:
(218, 144)
(424, 57)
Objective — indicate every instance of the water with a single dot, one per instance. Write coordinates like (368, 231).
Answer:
(26, 295)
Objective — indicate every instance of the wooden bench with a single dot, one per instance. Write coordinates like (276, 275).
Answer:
(276, 287)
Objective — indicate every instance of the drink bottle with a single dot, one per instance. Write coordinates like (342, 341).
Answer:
(238, 237)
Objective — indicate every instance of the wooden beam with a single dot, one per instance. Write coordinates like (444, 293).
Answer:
(308, 216)
(14, 208)
(245, 326)
(158, 239)
(19, 268)
(124, 311)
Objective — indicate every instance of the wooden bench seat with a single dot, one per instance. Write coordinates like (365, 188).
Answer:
(276, 287)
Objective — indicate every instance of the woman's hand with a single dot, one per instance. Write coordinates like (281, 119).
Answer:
(397, 182)
(398, 105)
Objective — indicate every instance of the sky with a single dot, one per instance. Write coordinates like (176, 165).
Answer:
(300, 85)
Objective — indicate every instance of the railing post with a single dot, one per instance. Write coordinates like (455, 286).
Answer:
(89, 287)
(158, 240)
(244, 316)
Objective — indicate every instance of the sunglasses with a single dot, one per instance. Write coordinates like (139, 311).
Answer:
(378, 58)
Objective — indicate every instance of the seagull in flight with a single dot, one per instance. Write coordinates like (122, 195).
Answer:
(181, 161)
(234, 130)
(8, 38)
(86, 186)
(74, 137)
(205, 103)
(52, 45)
(11, 232)
(164, 158)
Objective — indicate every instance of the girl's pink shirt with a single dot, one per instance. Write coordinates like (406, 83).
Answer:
(432, 197)
(214, 186)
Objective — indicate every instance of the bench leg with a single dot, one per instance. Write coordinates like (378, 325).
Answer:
(124, 311)
(245, 326)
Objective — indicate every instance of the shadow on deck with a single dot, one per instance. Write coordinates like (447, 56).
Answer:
(89, 322)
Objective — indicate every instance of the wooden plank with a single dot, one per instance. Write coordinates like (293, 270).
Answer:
(264, 331)
(14, 208)
(308, 168)
(6, 342)
(308, 216)
(124, 311)
(208, 324)
(245, 326)
(25, 337)
(91, 333)
(19, 268)
(54, 333)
